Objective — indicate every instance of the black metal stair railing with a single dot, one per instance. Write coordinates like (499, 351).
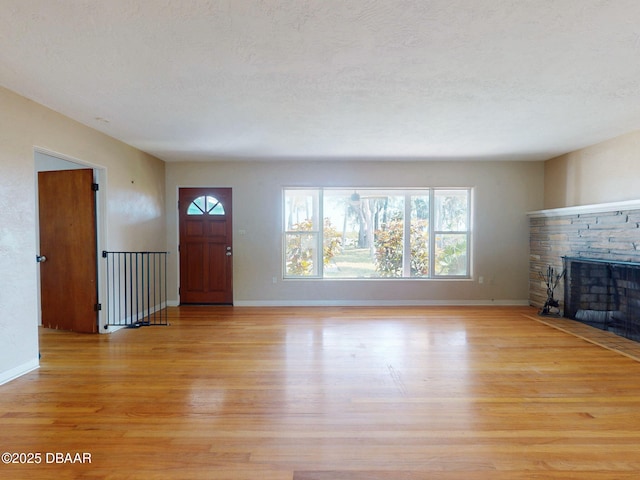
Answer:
(136, 288)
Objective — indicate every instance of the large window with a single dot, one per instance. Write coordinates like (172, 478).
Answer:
(376, 233)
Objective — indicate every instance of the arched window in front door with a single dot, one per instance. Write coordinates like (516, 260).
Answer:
(205, 205)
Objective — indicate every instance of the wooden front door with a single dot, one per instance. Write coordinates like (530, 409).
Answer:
(205, 246)
(68, 256)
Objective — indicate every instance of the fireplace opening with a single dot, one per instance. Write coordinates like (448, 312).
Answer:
(604, 294)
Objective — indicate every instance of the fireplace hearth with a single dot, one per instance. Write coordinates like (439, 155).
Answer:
(604, 294)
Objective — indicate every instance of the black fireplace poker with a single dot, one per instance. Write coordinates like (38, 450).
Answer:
(551, 278)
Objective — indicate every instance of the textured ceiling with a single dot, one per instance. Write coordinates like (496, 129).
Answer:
(340, 79)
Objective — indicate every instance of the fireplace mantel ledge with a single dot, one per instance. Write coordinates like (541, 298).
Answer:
(584, 209)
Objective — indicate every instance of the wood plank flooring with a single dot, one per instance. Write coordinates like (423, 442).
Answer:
(327, 394)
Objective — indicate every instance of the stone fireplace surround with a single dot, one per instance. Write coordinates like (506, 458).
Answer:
(605, 237)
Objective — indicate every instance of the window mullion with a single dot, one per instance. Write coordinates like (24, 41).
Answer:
(431, 235)
(320, 240)
(468, 232)
(406, 237)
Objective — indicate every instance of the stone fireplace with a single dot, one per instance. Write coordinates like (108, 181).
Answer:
(604, 294)
(599, 245)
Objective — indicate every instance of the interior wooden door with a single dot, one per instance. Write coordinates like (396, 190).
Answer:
(68, 255)
(205, 246)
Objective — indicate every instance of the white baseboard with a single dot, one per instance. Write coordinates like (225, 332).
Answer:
(18, 371)
(111, 329)
(379, 303)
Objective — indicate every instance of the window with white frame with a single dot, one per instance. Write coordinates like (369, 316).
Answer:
(377, 233)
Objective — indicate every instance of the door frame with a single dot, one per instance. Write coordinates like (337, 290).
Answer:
(177, 238)
(41, 157)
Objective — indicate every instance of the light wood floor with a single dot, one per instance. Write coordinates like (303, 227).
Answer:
(328, 394)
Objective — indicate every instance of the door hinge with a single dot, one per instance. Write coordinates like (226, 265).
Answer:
(95, 187)
(97, 307)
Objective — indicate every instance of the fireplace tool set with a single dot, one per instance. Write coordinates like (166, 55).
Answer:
(551, 278)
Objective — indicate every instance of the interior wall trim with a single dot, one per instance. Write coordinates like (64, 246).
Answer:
(19, 371)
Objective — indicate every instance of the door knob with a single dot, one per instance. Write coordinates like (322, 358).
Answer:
(41, 258)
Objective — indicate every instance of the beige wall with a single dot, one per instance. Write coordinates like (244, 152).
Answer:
(504, 192)
(603, 173)
(133, 210)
